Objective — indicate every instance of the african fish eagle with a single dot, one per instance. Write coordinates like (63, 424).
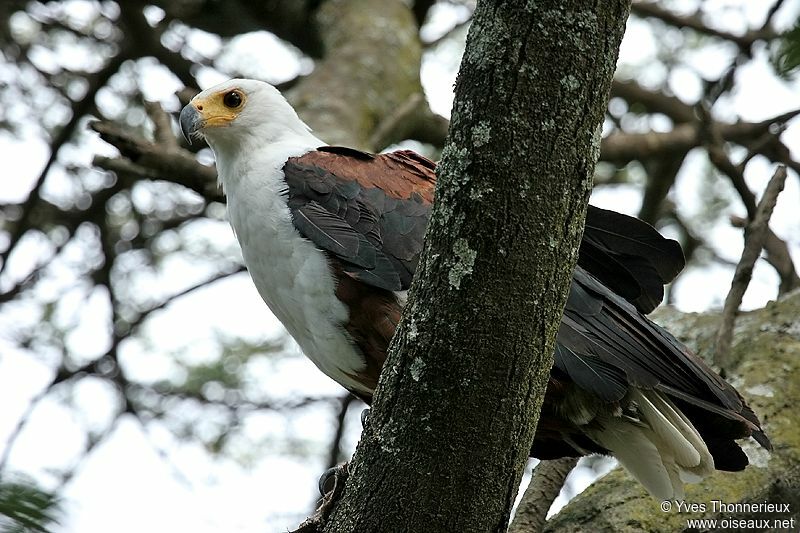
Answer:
(331, 237)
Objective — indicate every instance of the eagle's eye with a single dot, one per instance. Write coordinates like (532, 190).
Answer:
(232, 99)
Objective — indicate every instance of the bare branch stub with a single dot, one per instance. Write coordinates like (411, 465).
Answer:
(162, 124)
(754, 237)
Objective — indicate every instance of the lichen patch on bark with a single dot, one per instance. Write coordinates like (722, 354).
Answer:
(465, 259)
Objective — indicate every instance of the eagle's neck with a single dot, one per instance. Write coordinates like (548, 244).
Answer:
(253, 155)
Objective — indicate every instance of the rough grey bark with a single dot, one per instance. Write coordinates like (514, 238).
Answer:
(458, 400)
(766, 348)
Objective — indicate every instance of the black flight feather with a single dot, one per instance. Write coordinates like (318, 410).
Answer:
(617, 249)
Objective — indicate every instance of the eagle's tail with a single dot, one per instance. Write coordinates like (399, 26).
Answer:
(660, 448)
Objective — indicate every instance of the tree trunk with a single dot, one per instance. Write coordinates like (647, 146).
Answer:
(767, 344)
(458, 400)
(367, 72)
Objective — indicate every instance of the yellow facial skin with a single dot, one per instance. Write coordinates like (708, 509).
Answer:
(213, 109)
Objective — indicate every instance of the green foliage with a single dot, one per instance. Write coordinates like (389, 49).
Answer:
(226, 373)
(786, 58)
(25, 508)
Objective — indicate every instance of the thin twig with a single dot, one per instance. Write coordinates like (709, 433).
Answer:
(546, 483)
(754, 236)
(12, 438)
(771, 14)
(219, 276)
(335, 449)
(777, 255)
(65, 374)
(238, 404)
(719, 158)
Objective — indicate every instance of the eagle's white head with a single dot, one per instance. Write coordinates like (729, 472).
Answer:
(242, 114)
(247, 123)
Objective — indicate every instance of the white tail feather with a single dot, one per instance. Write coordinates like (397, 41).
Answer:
(670, 437)
(679, 420)
(633, 446)
(662, 450)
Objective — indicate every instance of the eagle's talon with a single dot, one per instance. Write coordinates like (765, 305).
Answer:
(327, 481)
(331, 485)
(365, 418)
(333, 479)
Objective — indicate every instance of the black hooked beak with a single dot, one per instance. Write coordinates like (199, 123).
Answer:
(190, 121)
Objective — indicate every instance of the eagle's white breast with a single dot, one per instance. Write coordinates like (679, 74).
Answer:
(291, 274)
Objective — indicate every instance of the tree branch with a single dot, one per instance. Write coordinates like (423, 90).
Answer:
(754, 236)
(411, 120)
(146, 40)
(150, 160)
(335, 449)
(653, 101)
(778, 253)
(357, 97)
(661, 175)
(546, 483)
(621, 148)
(290, 20)
(695, 22)
(79, 108)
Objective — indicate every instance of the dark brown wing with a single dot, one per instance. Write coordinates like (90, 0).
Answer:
(369, 211)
